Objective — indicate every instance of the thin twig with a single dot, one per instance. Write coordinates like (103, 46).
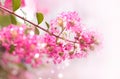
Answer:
(11, 12)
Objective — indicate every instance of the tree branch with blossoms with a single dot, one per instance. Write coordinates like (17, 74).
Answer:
(64, 39)
(33, 24)
(21, 44)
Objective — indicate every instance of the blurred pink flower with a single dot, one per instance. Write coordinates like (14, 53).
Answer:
(8, 4)
(18, 39)
(43, 6)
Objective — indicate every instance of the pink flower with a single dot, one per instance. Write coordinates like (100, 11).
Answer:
(69, 23)
(18, 39)
(44, 6)
(41, 7)
(68, 20)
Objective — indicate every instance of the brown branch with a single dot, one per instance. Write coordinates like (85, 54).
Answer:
(11, 12)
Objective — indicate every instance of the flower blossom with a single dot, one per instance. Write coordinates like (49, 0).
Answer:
(21, 42)
(8, 4)
(68, 26)
(69, 20)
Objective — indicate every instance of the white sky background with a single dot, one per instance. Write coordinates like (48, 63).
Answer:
(103, 15)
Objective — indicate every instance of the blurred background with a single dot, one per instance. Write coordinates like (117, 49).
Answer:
(103, 15)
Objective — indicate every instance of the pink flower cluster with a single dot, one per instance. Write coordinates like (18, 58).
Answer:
(21, 41)
(68, 26)
(34, 49)
(67, 20)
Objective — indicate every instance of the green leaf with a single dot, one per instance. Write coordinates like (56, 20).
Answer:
(13, 19)
(16, 4)
(39, 17)
(12, 48)
(21, 65)
(4, 20)
(48, 26)
(37, 32)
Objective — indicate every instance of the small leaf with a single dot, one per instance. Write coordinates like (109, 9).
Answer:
(21, 65)
(26, 32)
(4, 20)
(13, 19)
(12, 48)
(37, 32)
(16, 4)
(39, 17)
(48, 26)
